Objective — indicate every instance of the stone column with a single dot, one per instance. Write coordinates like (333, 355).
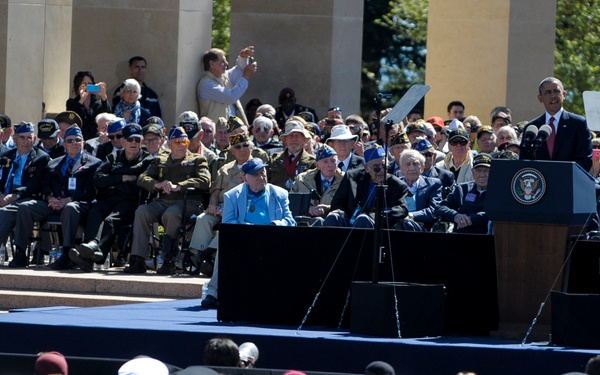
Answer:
(488, 54)
(312, 46)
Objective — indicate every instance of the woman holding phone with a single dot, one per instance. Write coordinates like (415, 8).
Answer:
(89, 101)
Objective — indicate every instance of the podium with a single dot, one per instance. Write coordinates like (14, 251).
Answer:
(535, 206)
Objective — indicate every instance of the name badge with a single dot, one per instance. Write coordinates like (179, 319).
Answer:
(72, 183)
(470, 197)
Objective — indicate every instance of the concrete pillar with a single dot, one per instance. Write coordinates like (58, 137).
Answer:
(312, 46)
(488, 54)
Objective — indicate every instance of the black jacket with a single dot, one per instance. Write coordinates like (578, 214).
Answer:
(32, 178)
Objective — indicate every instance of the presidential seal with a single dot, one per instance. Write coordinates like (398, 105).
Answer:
(528, 186)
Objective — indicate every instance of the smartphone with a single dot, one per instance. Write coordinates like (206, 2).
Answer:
(596, 153)
(92, 88)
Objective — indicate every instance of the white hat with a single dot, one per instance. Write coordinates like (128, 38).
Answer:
(144, 366)
(188, 117)
(341, 133)
(295, 127)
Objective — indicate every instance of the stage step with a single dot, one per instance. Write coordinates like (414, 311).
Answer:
(42, 287)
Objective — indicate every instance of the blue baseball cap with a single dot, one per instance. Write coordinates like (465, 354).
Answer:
(73, 130)
(116, 125)
(325, 152)
(253, 165)
(374, 153)
(422, 145)
(24, 127)
(177, 132)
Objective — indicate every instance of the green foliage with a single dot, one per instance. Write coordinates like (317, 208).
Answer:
(220, 26)
(394, 48)
(577, 46)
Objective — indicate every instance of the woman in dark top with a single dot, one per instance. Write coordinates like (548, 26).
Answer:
(129, 107)
(86, 104)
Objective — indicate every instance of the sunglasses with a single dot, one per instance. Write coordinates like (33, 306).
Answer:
(461, 142)
(73, 140)
(179, 142)
(133, 139)
(428, 154)
(113, 136)
(240, 146)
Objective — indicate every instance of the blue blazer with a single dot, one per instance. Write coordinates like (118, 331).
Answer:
(427, 198)
(573, 141)
(236, 199)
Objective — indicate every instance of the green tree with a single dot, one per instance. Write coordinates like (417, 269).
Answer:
(577, 45)
(220, 26)
(394, 48)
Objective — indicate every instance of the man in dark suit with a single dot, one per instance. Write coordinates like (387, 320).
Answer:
(353, 205)
(430, 170)
(571, 139)
(21, 180)
(115, 134)
(69, 191)
(342, 141)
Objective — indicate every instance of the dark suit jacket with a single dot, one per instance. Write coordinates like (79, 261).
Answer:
(280, 118)
(465, 199)
(427, 198)
(57, 185)
(354, 191)
(104, 150)
(32, 178)
(355, 162)
(573, 141)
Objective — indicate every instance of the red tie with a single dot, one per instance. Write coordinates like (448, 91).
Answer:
(551, 138)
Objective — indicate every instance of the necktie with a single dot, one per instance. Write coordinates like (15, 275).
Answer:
(341, 165)
(70, 167)
(551, 138)
(291, 158)
(325, 184)
(11, 175)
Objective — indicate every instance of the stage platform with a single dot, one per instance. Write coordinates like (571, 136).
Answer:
(176, 332)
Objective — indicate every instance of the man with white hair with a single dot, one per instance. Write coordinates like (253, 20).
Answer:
(262, 132)
(102, 121)
(208, 132)
(294, 160)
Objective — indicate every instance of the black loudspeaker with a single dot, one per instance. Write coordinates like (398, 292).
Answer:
(420, 309)
(575, 320)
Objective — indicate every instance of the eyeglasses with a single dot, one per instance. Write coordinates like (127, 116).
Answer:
(179, 142)
(133, 139)
(262, 129)
(113, 136)
(461, 142)
(73, 140)
(428, 154)
(337, 109)
(242, 145)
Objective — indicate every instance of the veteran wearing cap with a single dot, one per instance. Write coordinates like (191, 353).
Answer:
(115, 135)
(69, 191)
(49, 142)
(21, 179)
(399, 142)
(353, 205)
(153, 138)
(342, 140)
(116, 201)
(6, 133)
(464, 205)
(65, 120)
(430, 170)
(324, 180)
(294, 160)
(169, 174)
(459, 159)
(188, 120)
(486, 139)
(254, 202)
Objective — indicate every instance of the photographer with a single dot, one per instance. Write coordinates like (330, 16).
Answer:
(90, 100)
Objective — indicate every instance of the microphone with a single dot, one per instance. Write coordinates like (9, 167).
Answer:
(542, 136)
(384, 96)
(529, 135)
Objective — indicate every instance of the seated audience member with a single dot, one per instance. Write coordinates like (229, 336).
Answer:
(228, 177)
(262, 133)
(379, 368)
(117, 199)
(424, 193)
(6, 134)
(49, 142)
(208, 132)
(153, 139)
(357, 125)
(129, 107)
(288, 107)
(294, 159)
(342, 141)
(143, 365)
(189, 122)
(170, 174)
(593, 366)
(506, 134)
(509, 146)
(333, 118)
(221, 351)
(65, 120)
(254, 202)
(499, 120)
(383, 133)
(464, 205)
(353, 205)
(486, 140)
(430, 132)
(22, 172)
(438, 124)
(87, 105)
(472, 124)
(115, 135)
(430, 170)
(102, 121)
(51, 363)
(69, 191)
(399, 143)
(459, 159)
(248, 355)
(414, 130)
(324, 180)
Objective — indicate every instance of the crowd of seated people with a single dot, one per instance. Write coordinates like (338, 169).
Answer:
(112, 168)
